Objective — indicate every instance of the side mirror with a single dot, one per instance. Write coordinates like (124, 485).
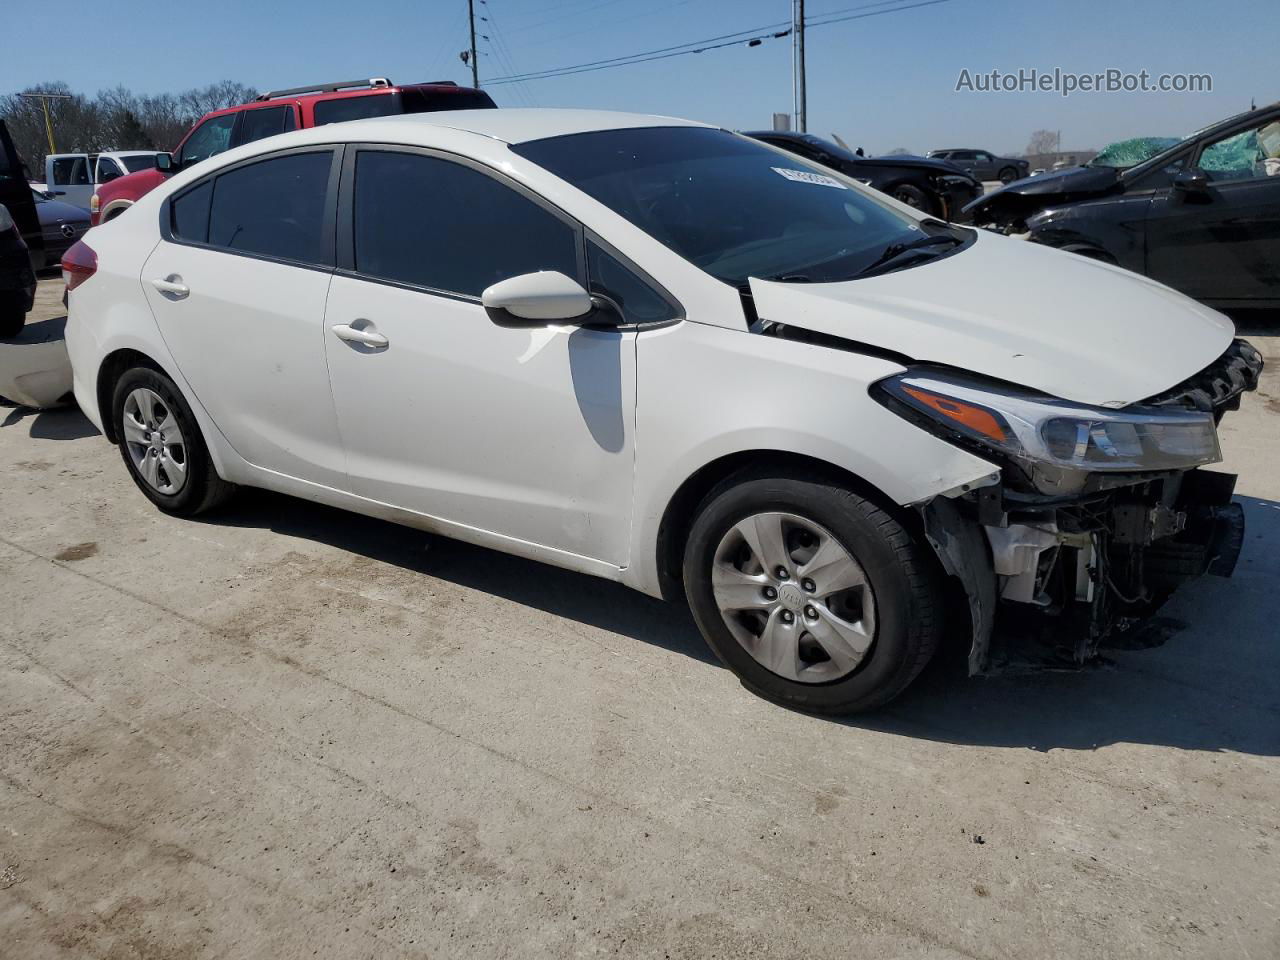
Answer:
(57, 193)
(536, 299)
(165, 163)
(1193, 180)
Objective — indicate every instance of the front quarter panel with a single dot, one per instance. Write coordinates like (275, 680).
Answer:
(705, 392)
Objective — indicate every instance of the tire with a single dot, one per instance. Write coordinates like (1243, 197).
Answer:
(200, 488)
(902, 617)
(913, 196)
(1008, 175)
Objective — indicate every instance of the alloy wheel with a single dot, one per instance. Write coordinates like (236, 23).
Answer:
(793, 597)
(154, 441)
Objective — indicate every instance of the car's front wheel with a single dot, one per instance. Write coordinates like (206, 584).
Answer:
(813, 595)
(913, 196)
(161, 444)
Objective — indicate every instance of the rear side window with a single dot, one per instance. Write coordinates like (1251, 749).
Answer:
(274, 208)
(417, 100)
(71, 171)
(434, 223)
(342, 109)
(134, 164)
(262, 122)
(191, 214)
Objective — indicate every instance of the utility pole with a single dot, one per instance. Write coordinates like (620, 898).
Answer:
(475, 64)
(44, 99)
(797, 63)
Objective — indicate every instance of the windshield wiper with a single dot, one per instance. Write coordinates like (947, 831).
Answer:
(898, 251)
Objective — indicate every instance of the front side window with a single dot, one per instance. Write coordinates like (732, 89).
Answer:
(1250, 155)
(262, 122)
(728, 204)
(210, 138)
(437, 224)
(274, 208)
(636, 299)
(108, 170)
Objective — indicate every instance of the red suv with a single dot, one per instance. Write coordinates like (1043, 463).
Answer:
(279, 111)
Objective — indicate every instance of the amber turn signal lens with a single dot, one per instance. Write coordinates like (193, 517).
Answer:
(972, 418)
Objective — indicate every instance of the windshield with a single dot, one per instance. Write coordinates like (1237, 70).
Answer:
(1130, 153)
(728, 204)
(134, 164)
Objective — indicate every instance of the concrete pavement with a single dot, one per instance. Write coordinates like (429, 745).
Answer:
(284, 731)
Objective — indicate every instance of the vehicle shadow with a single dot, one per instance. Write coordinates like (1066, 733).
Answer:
(574, 596)
(1214, 685)
(55, 423)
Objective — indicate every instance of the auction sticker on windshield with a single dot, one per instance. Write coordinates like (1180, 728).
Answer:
(804, 176)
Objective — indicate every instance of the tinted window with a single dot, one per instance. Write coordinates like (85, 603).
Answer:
(728, 204)
(142, 162)
(417, 100)
(263, 122)
(71, 172)
(639, 302)
(191, 214)
(290, 120)
(355, 108)
(274, 207)
(434, 223)
(211, 137)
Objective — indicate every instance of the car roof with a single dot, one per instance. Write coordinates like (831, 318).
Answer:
(509, 125)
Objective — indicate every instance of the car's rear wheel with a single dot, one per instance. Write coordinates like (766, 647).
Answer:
(813, 595)
(1008, 175)
(161, 444)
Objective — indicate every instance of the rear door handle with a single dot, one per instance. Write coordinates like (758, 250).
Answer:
(366, 337)
(172, 287)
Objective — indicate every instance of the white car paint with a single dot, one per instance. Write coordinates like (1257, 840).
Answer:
(566, 444)
(75, 177)
(1071, 327)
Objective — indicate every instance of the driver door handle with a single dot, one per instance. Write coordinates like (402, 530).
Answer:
(368, 338)
(172, 287)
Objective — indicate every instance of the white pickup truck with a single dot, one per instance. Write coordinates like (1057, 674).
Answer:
(75, 177)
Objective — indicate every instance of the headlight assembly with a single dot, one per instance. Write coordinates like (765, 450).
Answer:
(1057, 443)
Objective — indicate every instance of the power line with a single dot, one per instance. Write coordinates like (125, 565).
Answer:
(730, 39)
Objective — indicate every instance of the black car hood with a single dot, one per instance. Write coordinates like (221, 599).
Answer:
(910, 160)
(1046, 189)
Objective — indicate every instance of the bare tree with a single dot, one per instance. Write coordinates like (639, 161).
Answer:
(1041, 142)
(116, 119)
(898, 152)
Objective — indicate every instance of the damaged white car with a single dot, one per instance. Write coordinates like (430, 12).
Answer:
(664, 354)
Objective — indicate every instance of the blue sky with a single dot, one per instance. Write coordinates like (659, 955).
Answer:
(881, 82)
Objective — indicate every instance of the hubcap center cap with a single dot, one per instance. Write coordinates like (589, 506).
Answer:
(791, 597)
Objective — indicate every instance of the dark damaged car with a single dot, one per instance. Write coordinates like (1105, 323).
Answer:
(936, 187)
(1202, 216)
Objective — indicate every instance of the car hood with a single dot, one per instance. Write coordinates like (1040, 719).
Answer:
(910, 160)
(1019, 312)
(1073, 183)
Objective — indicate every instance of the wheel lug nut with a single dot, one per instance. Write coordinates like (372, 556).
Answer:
(811, 613)
(770, 593)
(782, 573)
(809, 585)
(787, 616)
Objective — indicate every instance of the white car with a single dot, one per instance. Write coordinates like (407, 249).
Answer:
(74, 178)
(668, 355)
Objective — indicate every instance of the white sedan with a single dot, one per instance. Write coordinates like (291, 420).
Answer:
(661, 353)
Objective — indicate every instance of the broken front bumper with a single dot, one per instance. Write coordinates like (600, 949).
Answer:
(1076, 572)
